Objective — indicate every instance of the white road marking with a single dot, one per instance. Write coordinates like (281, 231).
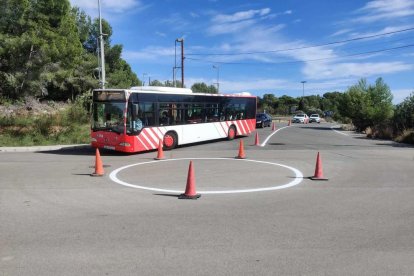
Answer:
(273, 133)
(298, 177)
(332, 127)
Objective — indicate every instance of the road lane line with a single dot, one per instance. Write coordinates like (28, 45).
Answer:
(273, 133)
(332, 128)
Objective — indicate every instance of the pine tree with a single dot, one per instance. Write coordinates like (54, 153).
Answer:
(41, 51)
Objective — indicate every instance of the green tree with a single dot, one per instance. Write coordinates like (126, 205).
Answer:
(381, 108)
(286, 104)
(84, 25)
(41, 51)
(331, 101)
(367, 105)
(48, 49)
(201, 87)
(156, 83)
(118, 72)
(268, 103)
(404, 114)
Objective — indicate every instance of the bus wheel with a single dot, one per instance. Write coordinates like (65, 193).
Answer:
(232, 133)
(170, 140)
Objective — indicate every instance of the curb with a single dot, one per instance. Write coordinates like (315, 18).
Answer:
(42, 148)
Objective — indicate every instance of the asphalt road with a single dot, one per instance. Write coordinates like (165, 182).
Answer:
(55, 219)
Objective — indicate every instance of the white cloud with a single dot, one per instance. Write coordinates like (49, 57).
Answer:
(228, 86)
(230, 28)
(278, 87)
(389, 29)
(341, 32)
(175, 21)
(194, 15)
(113, 6)
(154, 54)
(160, 34)
(239, 16)
(237, 22)
(329, 70)
(384, 10)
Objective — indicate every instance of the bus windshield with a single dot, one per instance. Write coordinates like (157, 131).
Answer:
(108, 116)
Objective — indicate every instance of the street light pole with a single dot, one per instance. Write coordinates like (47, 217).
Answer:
(218, 77)
(303, 83)
(143, 78)
(102, 48)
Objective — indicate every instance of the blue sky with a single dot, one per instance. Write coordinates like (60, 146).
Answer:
(267, 46)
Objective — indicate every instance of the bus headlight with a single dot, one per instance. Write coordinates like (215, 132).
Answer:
(125, 144)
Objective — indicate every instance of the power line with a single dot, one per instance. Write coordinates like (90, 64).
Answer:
(300, 61)
(303, 47)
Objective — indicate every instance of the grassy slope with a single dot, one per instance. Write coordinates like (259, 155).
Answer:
(68, 125)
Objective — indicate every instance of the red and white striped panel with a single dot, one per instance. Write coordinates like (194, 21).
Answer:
(149, 138)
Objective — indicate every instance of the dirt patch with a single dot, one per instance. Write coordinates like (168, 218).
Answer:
(31, 107)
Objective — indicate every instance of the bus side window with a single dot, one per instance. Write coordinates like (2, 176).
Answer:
(164, 119)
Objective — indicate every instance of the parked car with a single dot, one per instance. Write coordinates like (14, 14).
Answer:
(314, 118)
(300, 118)
(263, 120)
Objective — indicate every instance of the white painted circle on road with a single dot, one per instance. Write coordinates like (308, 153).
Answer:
(298, 177)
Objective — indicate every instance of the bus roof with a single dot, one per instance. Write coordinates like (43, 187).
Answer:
(173, 90)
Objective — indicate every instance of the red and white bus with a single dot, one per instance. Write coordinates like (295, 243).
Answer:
(136, 119)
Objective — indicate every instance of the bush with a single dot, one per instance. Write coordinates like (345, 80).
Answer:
(407, 136)
(69, 125)
(380, 132)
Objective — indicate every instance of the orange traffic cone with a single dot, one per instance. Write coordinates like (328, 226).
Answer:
(318, 170)
(99, 171)
(241, 151)
(190, 190)
(273, 126)
(160, 154)
(256, 140)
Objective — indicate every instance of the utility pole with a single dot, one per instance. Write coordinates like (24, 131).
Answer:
(102, 60)
(181, 40)
(182, 63)
(218, 77)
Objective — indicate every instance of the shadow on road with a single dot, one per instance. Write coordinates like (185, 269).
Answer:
(170, 195)
(82, 150)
